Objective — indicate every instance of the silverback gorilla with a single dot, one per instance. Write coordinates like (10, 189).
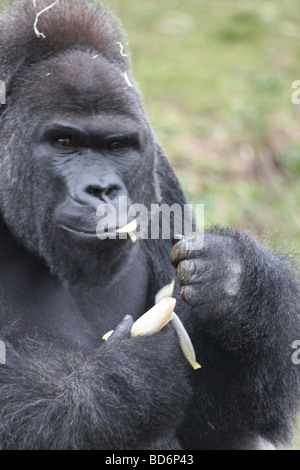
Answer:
(74, 135)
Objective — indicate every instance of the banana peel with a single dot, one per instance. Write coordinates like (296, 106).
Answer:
(183, 337)
(166, 291)
(185, 341)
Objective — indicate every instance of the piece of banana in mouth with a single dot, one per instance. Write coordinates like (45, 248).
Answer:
(155, 319)
(130, 229)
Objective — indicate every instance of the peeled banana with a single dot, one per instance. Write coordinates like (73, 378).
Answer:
(157, 317)
(153, 320)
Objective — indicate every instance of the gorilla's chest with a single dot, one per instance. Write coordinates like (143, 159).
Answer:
(77, 315)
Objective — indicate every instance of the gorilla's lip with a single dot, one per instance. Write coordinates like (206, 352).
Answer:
(78, 232)
(115, 231)
(87, 234)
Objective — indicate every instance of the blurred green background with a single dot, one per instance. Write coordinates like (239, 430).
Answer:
(217, 84)
(216, 79)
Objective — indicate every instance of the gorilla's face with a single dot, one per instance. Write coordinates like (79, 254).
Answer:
(83, 141)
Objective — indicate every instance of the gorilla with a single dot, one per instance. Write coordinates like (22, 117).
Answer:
(74, 136)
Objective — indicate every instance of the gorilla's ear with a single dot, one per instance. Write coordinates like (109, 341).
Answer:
(168, 189)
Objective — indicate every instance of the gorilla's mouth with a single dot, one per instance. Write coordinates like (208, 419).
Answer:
(113, 233)
(77, 232)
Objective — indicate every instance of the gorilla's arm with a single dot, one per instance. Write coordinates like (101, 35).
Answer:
(245, 300)
(118, 397)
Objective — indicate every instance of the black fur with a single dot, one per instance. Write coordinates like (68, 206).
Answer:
(62, 386)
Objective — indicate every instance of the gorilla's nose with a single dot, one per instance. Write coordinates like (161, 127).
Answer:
(105, 194)
(92, 191)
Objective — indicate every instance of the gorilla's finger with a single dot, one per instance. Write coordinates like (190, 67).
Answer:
(190, 295)
(191, 271)
(122, 330)
(178, 253)
(185, 271)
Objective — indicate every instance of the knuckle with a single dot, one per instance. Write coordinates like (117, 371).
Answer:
(189, 295)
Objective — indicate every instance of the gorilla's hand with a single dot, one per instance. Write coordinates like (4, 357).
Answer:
(212, 276)
(148, 382)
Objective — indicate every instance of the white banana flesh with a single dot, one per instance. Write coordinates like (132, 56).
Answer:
(153, 320)
(130, 229)
(166, 291)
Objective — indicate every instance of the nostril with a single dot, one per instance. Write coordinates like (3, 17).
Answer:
(108, 191)
(94, 191)
(112, 191)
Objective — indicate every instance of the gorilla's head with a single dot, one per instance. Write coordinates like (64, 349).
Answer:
(73, 132)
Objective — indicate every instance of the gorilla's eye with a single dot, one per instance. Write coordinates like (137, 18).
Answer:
(66, 142)
(116, 145)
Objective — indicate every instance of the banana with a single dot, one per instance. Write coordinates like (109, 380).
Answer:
(166, 291)
(157, 317)
(153, 320)
(107, 335)
(129, 228)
